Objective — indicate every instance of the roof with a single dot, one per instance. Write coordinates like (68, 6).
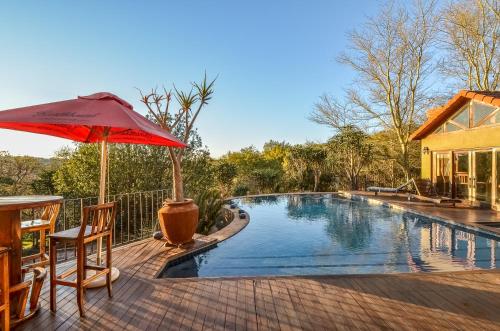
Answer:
(438, 115)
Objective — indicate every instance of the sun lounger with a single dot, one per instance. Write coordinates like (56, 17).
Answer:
(427, 194)
(398, 189)
(438, 200)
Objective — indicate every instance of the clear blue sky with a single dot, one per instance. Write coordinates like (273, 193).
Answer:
(273, 58)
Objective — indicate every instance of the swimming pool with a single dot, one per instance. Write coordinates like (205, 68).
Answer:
(326, 234)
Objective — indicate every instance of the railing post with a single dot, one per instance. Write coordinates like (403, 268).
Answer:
(140, 211)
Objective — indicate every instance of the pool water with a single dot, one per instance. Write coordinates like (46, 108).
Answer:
(325, 235)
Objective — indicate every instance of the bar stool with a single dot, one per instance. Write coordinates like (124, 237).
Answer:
(97, 222)
(47, 222)
(4, 287)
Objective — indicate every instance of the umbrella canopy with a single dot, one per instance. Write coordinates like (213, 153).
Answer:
(89, 119)
(100, 117)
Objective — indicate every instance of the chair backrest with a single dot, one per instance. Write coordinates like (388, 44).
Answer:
(101, 218)
(50, 214)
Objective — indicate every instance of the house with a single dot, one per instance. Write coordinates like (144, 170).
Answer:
(460, 144)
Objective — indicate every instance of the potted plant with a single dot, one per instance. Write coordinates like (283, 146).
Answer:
(179, 216)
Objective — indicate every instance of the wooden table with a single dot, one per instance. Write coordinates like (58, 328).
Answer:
(10, 228)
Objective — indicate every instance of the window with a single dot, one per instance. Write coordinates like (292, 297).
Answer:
(450, 127)
(480, 112)
(471, 115)
(462, 117)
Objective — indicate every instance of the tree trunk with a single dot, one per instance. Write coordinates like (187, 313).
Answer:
(178, 187)
(405, 161)
(354, 183)
(316, 181)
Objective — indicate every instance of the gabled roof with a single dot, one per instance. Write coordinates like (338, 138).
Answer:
(439, 115)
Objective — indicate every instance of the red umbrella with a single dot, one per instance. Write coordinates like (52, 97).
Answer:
(89, 119)
(101, 117)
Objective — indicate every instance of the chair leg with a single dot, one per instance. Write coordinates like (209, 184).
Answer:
(5, 320)
(84, 261)
(5, 315)
(79, 278)
(42, 244)
(53, 285)
(109, 266)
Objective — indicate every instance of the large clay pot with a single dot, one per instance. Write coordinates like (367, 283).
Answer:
(178, 221)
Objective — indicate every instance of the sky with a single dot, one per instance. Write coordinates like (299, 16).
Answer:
(273, 60)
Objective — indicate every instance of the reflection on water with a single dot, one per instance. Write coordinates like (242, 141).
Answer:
(259, 200)
(322, 234)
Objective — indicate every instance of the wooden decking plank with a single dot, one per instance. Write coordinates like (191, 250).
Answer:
(246, 293)
(229, 287)
(190, 306)
(370, 304)
(265, 305)
(445, 310)
(286, 315)
(174, 315)
(211, 316)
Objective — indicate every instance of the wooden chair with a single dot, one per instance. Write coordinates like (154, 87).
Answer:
(21, 291)
(47, 222)
(4, 287)
(97, 222)
(16, 309)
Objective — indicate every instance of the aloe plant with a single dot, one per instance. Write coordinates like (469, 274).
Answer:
(210, 206)
(180, 122)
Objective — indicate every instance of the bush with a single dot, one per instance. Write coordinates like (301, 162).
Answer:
(240, 190)
(210, 209)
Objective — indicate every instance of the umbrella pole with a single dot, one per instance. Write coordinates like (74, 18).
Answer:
(102, 189)
(115, 273)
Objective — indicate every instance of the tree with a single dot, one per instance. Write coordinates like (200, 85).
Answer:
(44, 184)
(256, 172)
(391, 56)
(225, 173)
(266, 179)
(17, 173)
(302, 159)
(132, 168)
(472, 39)
(180, 122)
(351, 151)
(331, 112)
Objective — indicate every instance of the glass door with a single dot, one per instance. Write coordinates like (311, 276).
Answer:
(442, 173)
(482, 180)
(461, 175)
(497, 176)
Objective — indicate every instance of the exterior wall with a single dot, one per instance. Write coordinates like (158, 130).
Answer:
(425, 171)
(477, 138)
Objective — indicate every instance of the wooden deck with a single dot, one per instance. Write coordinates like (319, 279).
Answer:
(462, 300)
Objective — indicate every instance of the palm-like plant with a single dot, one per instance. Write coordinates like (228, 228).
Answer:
(180, 122)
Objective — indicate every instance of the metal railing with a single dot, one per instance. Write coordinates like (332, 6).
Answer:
(136, 217)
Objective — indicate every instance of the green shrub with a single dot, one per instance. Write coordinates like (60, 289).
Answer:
(210, 208)
(240, 190)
